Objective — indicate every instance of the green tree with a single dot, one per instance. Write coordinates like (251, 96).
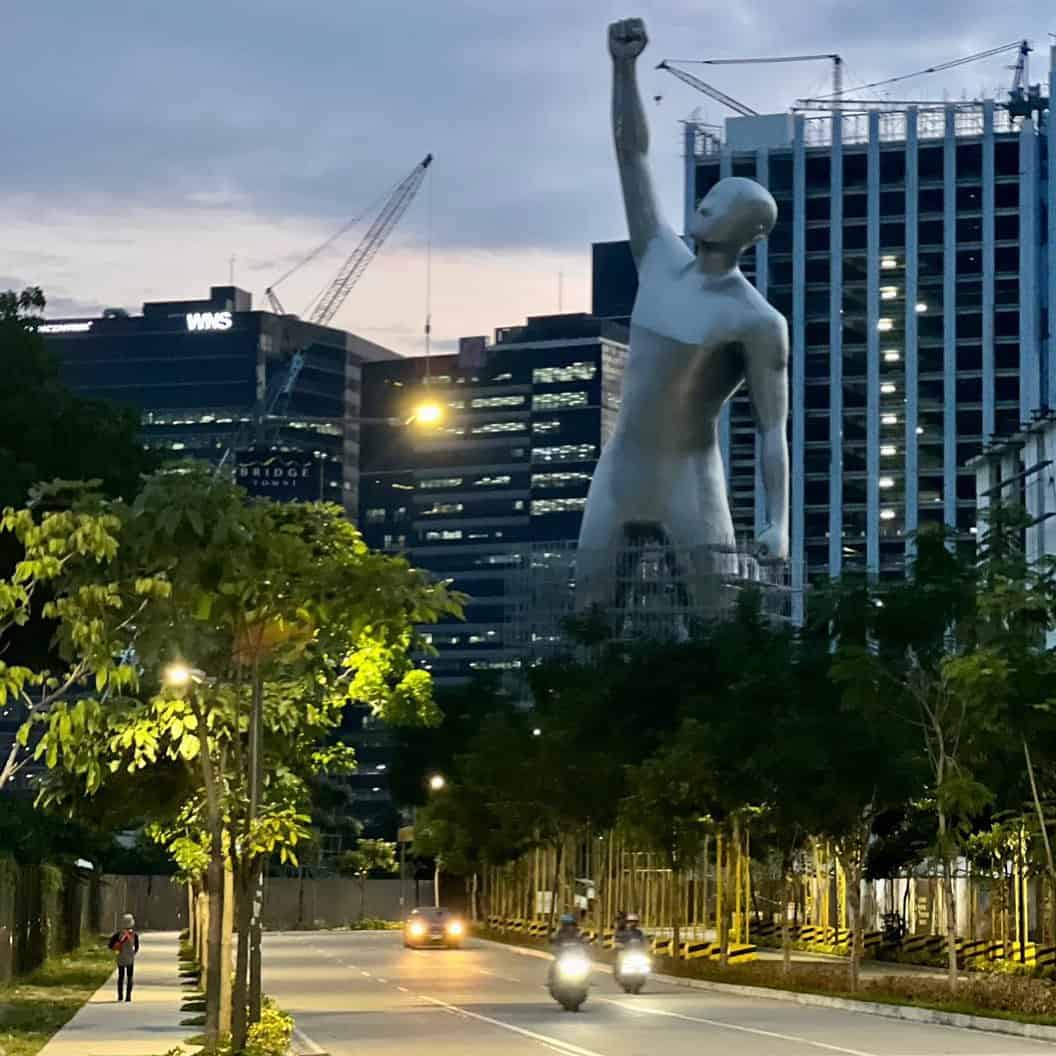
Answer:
(281, 617)
(366, 858)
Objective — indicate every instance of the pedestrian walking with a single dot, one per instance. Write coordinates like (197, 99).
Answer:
(125, 943)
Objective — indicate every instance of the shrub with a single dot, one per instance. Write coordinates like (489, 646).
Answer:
(271, 1036)
(374, 924)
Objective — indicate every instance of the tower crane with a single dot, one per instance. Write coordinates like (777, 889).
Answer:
(836, 60)
(327, 304)
(710, 90)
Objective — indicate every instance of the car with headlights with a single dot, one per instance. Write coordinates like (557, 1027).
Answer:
(433, 926)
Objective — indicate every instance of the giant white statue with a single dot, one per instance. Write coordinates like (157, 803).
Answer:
(699, 330)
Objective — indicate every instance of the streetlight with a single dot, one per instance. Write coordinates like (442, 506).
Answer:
(437, 782)
(178, 674)
(537, 732)
(428, 412)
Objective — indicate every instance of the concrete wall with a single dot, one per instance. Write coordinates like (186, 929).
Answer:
(155, 901)
(160, 905)
(330, 903)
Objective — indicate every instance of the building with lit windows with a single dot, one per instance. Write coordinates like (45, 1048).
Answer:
(910, 258)
(202, 374)
(525, 417)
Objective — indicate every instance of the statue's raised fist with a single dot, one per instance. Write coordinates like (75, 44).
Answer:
(627, 38)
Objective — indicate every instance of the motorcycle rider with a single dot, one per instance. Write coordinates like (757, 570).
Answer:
(630, 933)
(567, 935)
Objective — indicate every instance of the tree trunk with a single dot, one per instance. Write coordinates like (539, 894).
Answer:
(362, 897)
(852, 876)
(436, 884)
(300, 898)
(214, 941)
(240, 998)
(256, 993)
(1050, 864)
(951, 905)
(557, 880)
(226, 936)
(676, 917)
(721, 923)
(786, 934)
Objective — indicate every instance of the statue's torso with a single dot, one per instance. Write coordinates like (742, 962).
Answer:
(686, 357)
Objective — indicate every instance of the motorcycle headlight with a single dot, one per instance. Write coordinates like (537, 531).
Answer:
(635, 964)
(455, 929)
(573, 968)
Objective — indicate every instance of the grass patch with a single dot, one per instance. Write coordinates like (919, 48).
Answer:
(34, 1008)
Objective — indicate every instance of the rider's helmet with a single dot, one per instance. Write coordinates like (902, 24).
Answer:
(632, 918)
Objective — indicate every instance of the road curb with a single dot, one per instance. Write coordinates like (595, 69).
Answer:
(909, 1013)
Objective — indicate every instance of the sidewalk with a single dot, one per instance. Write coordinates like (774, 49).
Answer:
(148, 1026)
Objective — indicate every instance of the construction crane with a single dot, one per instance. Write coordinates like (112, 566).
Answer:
(834, 102)
(710, 90)
(1023, 98)
(836, 60)
(324, 307)
(327, 304)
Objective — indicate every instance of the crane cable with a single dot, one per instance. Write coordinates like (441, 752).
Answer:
(371, 209)
(428, 276)
(920, 73)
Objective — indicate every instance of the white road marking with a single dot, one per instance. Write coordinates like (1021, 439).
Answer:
(645, 1010)
(403, 989)
(381, 980)
(310, 1047)
(367, 974)
(556, 1044)
(498, 975)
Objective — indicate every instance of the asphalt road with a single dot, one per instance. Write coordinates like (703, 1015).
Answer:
(363, 993)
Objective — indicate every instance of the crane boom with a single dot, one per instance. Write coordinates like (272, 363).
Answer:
(709, 90)
(334, 296)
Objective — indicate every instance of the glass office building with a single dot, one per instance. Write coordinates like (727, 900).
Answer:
(526, 416)
(202, 373)
(910, 258)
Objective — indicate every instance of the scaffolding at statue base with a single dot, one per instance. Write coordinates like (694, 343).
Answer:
(653, 592)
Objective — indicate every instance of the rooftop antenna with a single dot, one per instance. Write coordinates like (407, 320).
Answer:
(428, 279)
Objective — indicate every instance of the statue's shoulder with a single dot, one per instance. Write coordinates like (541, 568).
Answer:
(666, 249)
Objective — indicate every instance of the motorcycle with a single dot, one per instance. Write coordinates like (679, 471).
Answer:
(570, 977)
(632, 968)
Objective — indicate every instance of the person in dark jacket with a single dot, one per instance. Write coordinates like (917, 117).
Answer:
(125, 943)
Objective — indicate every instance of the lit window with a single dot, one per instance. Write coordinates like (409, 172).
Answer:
(442, 483)
(884, 325)
(493, 482)
(440, 508)
(887, 515)
(892, 355)
(920, 430)
(571, 372)
(888, 293)
(546, 425)
(887, 482)
(558, 401)
(921, 307)
(564, 453)
(888, 450)
(482, 402)
(887, 388)
(447, 535)
(519, 504)
(541, 506)
(499, 427)
(887, 263)
(559, 480)
(376, 515)
(889, 419)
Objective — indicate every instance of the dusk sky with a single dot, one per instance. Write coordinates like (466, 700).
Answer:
(148, 143)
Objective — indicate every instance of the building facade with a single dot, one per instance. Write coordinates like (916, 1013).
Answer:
(910, 258)
(203, 374)
(525, 417)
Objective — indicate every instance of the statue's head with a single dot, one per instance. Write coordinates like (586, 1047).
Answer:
(735, 213)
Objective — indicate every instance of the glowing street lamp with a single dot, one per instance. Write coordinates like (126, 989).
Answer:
(178, 675)
(428, 412)
(437, 783)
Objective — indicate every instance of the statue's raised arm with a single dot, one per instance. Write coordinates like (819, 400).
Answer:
(627, 40)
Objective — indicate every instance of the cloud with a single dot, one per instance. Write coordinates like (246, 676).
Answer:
(255, 128)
